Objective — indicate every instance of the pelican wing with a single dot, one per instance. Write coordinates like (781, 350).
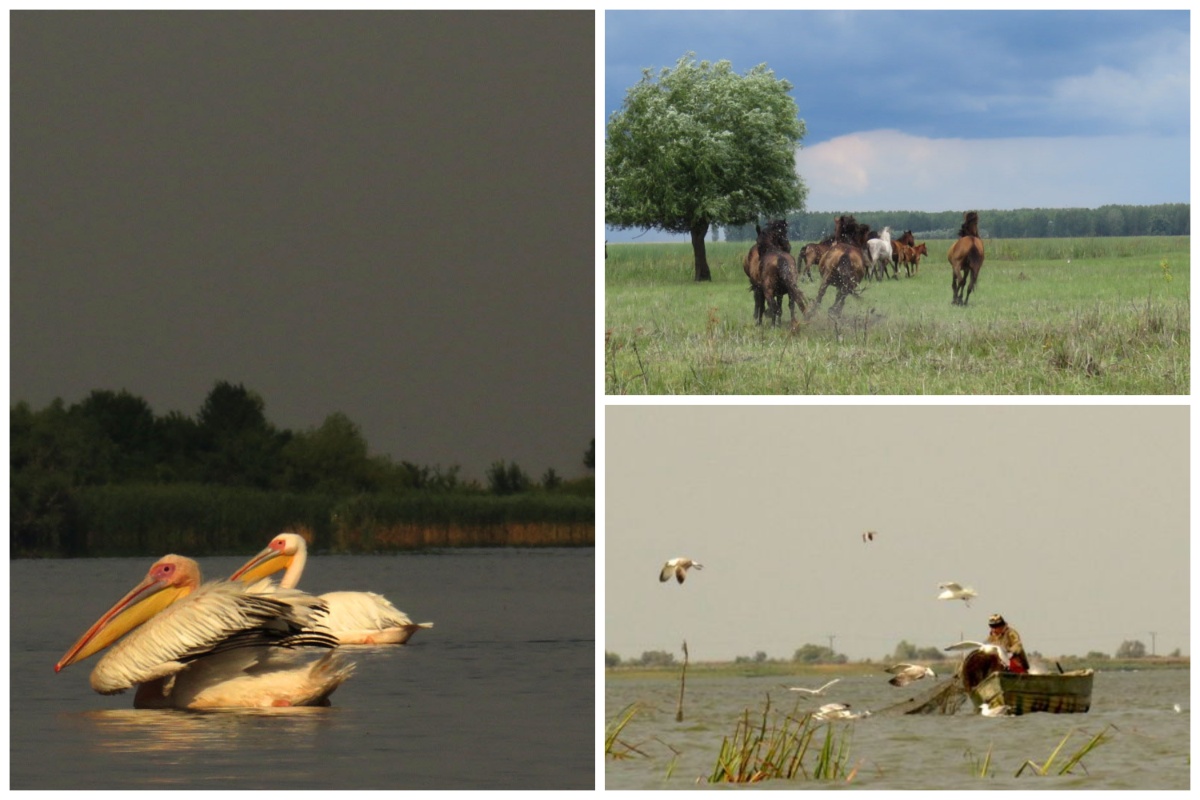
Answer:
(217, 617)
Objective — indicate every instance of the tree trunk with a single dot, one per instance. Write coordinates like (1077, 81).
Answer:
(699, 231)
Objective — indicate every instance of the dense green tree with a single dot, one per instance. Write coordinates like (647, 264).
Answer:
(504, 478)
(242, 447)
(700, 145)
(329, 459)
(816, 654)
(1131, 649)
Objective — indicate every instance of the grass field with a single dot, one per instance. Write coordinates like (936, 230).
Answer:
(1114, 319)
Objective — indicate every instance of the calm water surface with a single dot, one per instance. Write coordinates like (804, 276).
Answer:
(499, 694)
(1149, 749)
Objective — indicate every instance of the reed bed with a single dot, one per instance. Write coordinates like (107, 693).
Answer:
(775, 746)
(206, 520)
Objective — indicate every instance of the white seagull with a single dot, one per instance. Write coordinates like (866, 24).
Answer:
(869, 536)
(998, 711)
(837, 711)
(907, 673)
(814, 692)
(1000, 653)
(955, 591)
(677, 567)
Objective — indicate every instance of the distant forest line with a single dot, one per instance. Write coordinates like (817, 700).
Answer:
(1166, 219)
(108, 477)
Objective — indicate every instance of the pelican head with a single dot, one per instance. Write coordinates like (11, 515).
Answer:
(171, 578)
(283, 550)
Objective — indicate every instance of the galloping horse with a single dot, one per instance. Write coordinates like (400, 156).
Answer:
(879, 251)
(845, 263)
(899, 246)
(777, 275)
(966, 254)
(810, 256)
(777, 232)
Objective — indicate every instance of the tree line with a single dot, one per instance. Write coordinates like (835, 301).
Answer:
(83, 474)
(1165, 219)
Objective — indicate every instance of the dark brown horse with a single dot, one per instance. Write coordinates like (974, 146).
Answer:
(966, 256)
(845, 263)
(810, 256)
(775, 234)
(777, 275)
(906, 239)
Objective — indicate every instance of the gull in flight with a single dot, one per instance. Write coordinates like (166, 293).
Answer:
(837, 711)
(869, 536)
(954, 591)
(998, 711)
(1000, 653)
(907, 673)
(814, 692)
(677, 567)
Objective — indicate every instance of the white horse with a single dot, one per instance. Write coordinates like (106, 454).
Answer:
(879, 254)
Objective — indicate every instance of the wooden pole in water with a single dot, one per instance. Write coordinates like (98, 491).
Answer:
(682, 680)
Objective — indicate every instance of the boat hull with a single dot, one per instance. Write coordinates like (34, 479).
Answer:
(1062, 693)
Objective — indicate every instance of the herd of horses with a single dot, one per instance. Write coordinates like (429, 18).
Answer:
(853, 253)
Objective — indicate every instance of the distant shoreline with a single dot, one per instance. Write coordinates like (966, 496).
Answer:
(726, 669)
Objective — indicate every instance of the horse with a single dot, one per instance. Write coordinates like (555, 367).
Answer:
(776, 275)
(810, 256)
(905, 239)
(879, 251)
(966, 255)
(913, 265)
(845, 263)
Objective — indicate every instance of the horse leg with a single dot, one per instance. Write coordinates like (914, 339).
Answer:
(758, 305)
(971, 286)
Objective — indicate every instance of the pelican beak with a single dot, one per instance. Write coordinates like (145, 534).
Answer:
(267, 562)
(141, 603)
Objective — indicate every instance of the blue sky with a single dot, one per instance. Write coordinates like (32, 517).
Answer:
(945, 110)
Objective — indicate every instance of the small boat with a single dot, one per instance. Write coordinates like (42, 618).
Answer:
(1058, 693)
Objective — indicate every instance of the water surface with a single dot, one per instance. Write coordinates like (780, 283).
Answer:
(499, 694)
(1149, 748)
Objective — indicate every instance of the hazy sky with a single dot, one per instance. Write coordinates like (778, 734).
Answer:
(945, 110)
(1071, 521)
(385, 214)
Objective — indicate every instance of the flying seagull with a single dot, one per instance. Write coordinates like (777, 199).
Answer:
(821, 690)
(1000, 653)
(954, 591)
(869, 536)
(837, 711)
(677, 567)
(907, 673)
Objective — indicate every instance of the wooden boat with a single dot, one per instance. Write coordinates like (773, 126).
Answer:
(1023, 693)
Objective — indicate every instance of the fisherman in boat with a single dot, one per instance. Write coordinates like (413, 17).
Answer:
(1001, 634)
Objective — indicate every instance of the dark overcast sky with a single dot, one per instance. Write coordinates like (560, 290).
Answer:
(385, 214)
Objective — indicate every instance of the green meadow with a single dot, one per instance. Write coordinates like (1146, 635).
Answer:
(1048, 316)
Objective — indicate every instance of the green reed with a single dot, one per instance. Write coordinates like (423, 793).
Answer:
(1076, 759)
(774, 746)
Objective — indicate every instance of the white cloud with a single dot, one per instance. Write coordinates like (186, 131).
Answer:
(890, 170)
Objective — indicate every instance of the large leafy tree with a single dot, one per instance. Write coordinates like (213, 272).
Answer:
(699, 146)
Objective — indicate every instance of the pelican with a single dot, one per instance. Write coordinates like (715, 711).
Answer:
(814, 692)
(189, 646)
(907, 673)
(354, 617)
(677, 567)
(1000, 653)
(954, 591)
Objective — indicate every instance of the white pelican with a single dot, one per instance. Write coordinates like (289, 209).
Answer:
(212, 646)
(677, 567)
(814, 692)
(1000, 653)
(954, 591)
(353, 617)
(907, 673)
